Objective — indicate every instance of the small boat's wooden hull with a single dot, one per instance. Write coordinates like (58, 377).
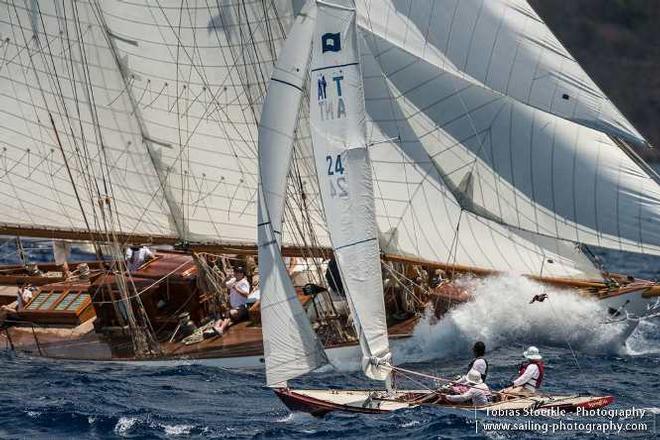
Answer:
(321, 402)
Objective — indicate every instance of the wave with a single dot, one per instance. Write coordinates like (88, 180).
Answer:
(645, 340)
(500, 314)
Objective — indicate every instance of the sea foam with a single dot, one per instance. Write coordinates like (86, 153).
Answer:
(500, 314)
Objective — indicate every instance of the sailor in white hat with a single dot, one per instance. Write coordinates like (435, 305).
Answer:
(478, 392)
(530, 374)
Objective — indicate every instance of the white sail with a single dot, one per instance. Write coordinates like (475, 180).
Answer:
(419, 216)
(182, 161)
(337, 119)
(514, 164)
(291, 347)
(280, 114)
(68, 138)
(504, 45)
(184, 164)
(290, 344)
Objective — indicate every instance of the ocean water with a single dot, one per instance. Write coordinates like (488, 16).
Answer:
(42, 399)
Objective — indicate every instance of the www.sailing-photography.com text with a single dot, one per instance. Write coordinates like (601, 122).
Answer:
(597, 421)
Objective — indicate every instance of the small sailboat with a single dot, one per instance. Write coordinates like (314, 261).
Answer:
(344, 173)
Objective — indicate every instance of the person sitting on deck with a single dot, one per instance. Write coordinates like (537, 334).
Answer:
(23, 296)
(239, 290)
(530, 374)
(479, 362)
(33, 270)
(136, 256)
(477, 392)
(255, 294)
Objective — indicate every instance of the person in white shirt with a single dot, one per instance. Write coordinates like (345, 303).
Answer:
(23, 296)
(530, 374)
(255, 295)
(479, 362)
(239, 290)
(477, 392)
(136, 256)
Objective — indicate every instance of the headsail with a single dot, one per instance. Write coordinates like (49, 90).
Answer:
(419, 216)
(344, 173)
(504, 45)
(290, 344)
(527, 168)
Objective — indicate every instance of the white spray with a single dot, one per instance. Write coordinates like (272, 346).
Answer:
(501, 314)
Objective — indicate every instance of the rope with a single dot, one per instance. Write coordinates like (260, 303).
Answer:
(451, 382)
(554, 313)
(398, 276)
(138, 294)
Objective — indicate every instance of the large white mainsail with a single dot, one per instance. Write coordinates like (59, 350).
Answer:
(337, 119)
(68, 135)
(291, 347)
(196, 74)
(419, 216)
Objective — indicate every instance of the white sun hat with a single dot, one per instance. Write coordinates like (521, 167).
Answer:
(532, 353)
(474, 377)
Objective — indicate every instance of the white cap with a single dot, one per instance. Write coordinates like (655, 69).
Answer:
(474, 377)
(532, 353)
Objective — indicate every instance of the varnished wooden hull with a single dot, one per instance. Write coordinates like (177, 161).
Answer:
(241, 347)
(321, 402)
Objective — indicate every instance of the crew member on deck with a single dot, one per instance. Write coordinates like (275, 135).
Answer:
(136, 256)
(255, 294)
(479, 363)
(477, 392)
(530, 374)
(239, 290)
(333, 277)
(23, 296)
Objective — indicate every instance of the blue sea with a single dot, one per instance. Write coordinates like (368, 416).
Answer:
(42, 399)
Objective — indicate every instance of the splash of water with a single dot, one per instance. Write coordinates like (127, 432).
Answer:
(500, 314)
(645, 340)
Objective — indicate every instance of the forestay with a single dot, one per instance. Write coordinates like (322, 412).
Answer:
(337, 119)
(290, 344)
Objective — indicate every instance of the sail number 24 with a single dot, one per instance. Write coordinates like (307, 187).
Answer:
(336, 177)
